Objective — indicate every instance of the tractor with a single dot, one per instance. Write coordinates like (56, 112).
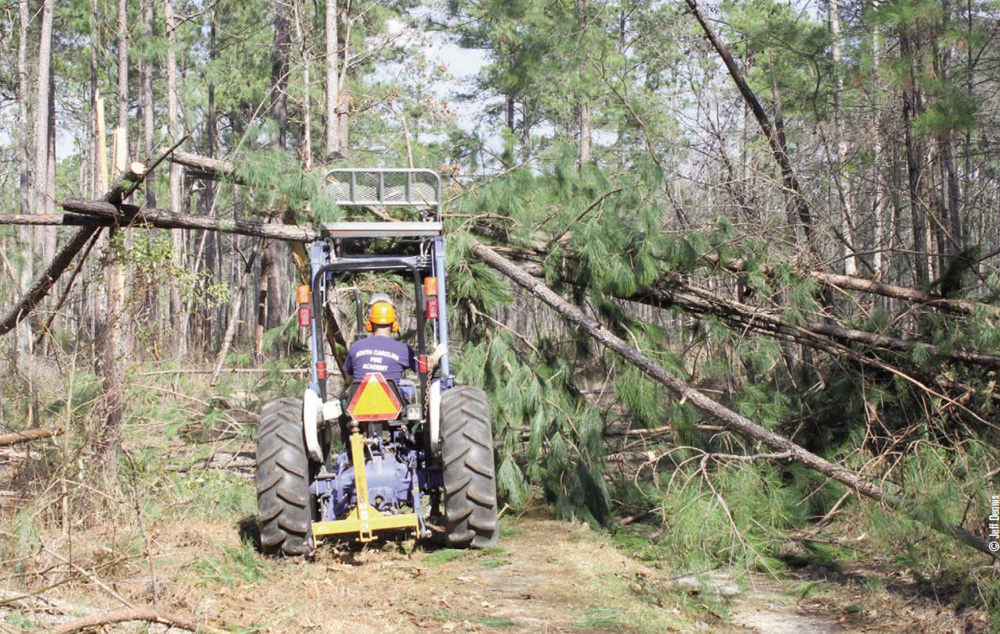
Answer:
(381, 460)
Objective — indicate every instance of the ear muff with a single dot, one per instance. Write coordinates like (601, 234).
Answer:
(382, 314)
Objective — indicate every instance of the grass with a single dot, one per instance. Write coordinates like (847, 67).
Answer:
(602, 618)
(493, 557)
(495, 623)
(509, 530)
(236, 565)
(443, 556)
(19, 622)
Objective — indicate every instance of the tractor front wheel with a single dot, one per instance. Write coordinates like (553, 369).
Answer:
(470, 493)
(285, 507)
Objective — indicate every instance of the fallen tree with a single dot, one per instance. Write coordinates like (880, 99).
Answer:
(134, 216)
(861, 284)
(730, 419)
(48, 279)
(127, 215)
(27, 435)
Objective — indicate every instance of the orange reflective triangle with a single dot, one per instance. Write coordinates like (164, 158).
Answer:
(374, 400)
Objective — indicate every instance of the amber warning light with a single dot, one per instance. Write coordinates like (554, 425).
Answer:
(374, 400)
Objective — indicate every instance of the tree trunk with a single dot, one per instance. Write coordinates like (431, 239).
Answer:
(234, 317)
(911, 109)
(178, 320)
(26, 234)
(266, 266)
(306, 83)
(279, 72)
(151, 295)
(213, 256)
(880, 258)
(43, 235)
(108, 437)
(274, 269)
(582, 102)
(333, 149)
(148, 122)
(732, 420)
(123, 65)
(99, 183)
(343, 95)
(843, 179)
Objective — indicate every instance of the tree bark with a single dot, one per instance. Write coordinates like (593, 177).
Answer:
(205, 167)
(44, 237)
(122, 28)
(131, 215)
(107, 440)
(263, 278)
(24, 164)
(151, 294)
(27, 435)
(880, 257)
(911, 109)
(66, 220)
(732, 420)
(333, 149)
(178, 320)
(148, 123)
(304, 56)
(843, 179)
(279, 71)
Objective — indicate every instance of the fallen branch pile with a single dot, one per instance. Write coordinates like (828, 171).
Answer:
(729, 418)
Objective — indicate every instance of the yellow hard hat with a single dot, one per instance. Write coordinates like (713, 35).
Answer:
(381, 312)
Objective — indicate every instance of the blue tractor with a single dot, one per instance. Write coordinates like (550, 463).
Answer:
(382, 459)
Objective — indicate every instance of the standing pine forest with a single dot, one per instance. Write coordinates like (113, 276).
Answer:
(728, 272)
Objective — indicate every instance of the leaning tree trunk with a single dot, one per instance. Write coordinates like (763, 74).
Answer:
(798, 202)
(732, 420)
(48, 279)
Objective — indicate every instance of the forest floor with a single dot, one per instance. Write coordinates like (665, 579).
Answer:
(177, 540)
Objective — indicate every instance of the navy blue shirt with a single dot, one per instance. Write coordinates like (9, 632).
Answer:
(379, 354)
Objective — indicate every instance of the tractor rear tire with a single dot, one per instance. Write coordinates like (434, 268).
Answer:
(470, 492)
(284, 503)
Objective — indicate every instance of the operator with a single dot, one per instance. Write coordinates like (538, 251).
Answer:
(379, 352)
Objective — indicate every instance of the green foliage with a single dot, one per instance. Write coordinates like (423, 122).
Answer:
(738, 519)
(563, 451)
(791, 49)
(234, 566)
(24, 538)
(211, 495)
(152, 261)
